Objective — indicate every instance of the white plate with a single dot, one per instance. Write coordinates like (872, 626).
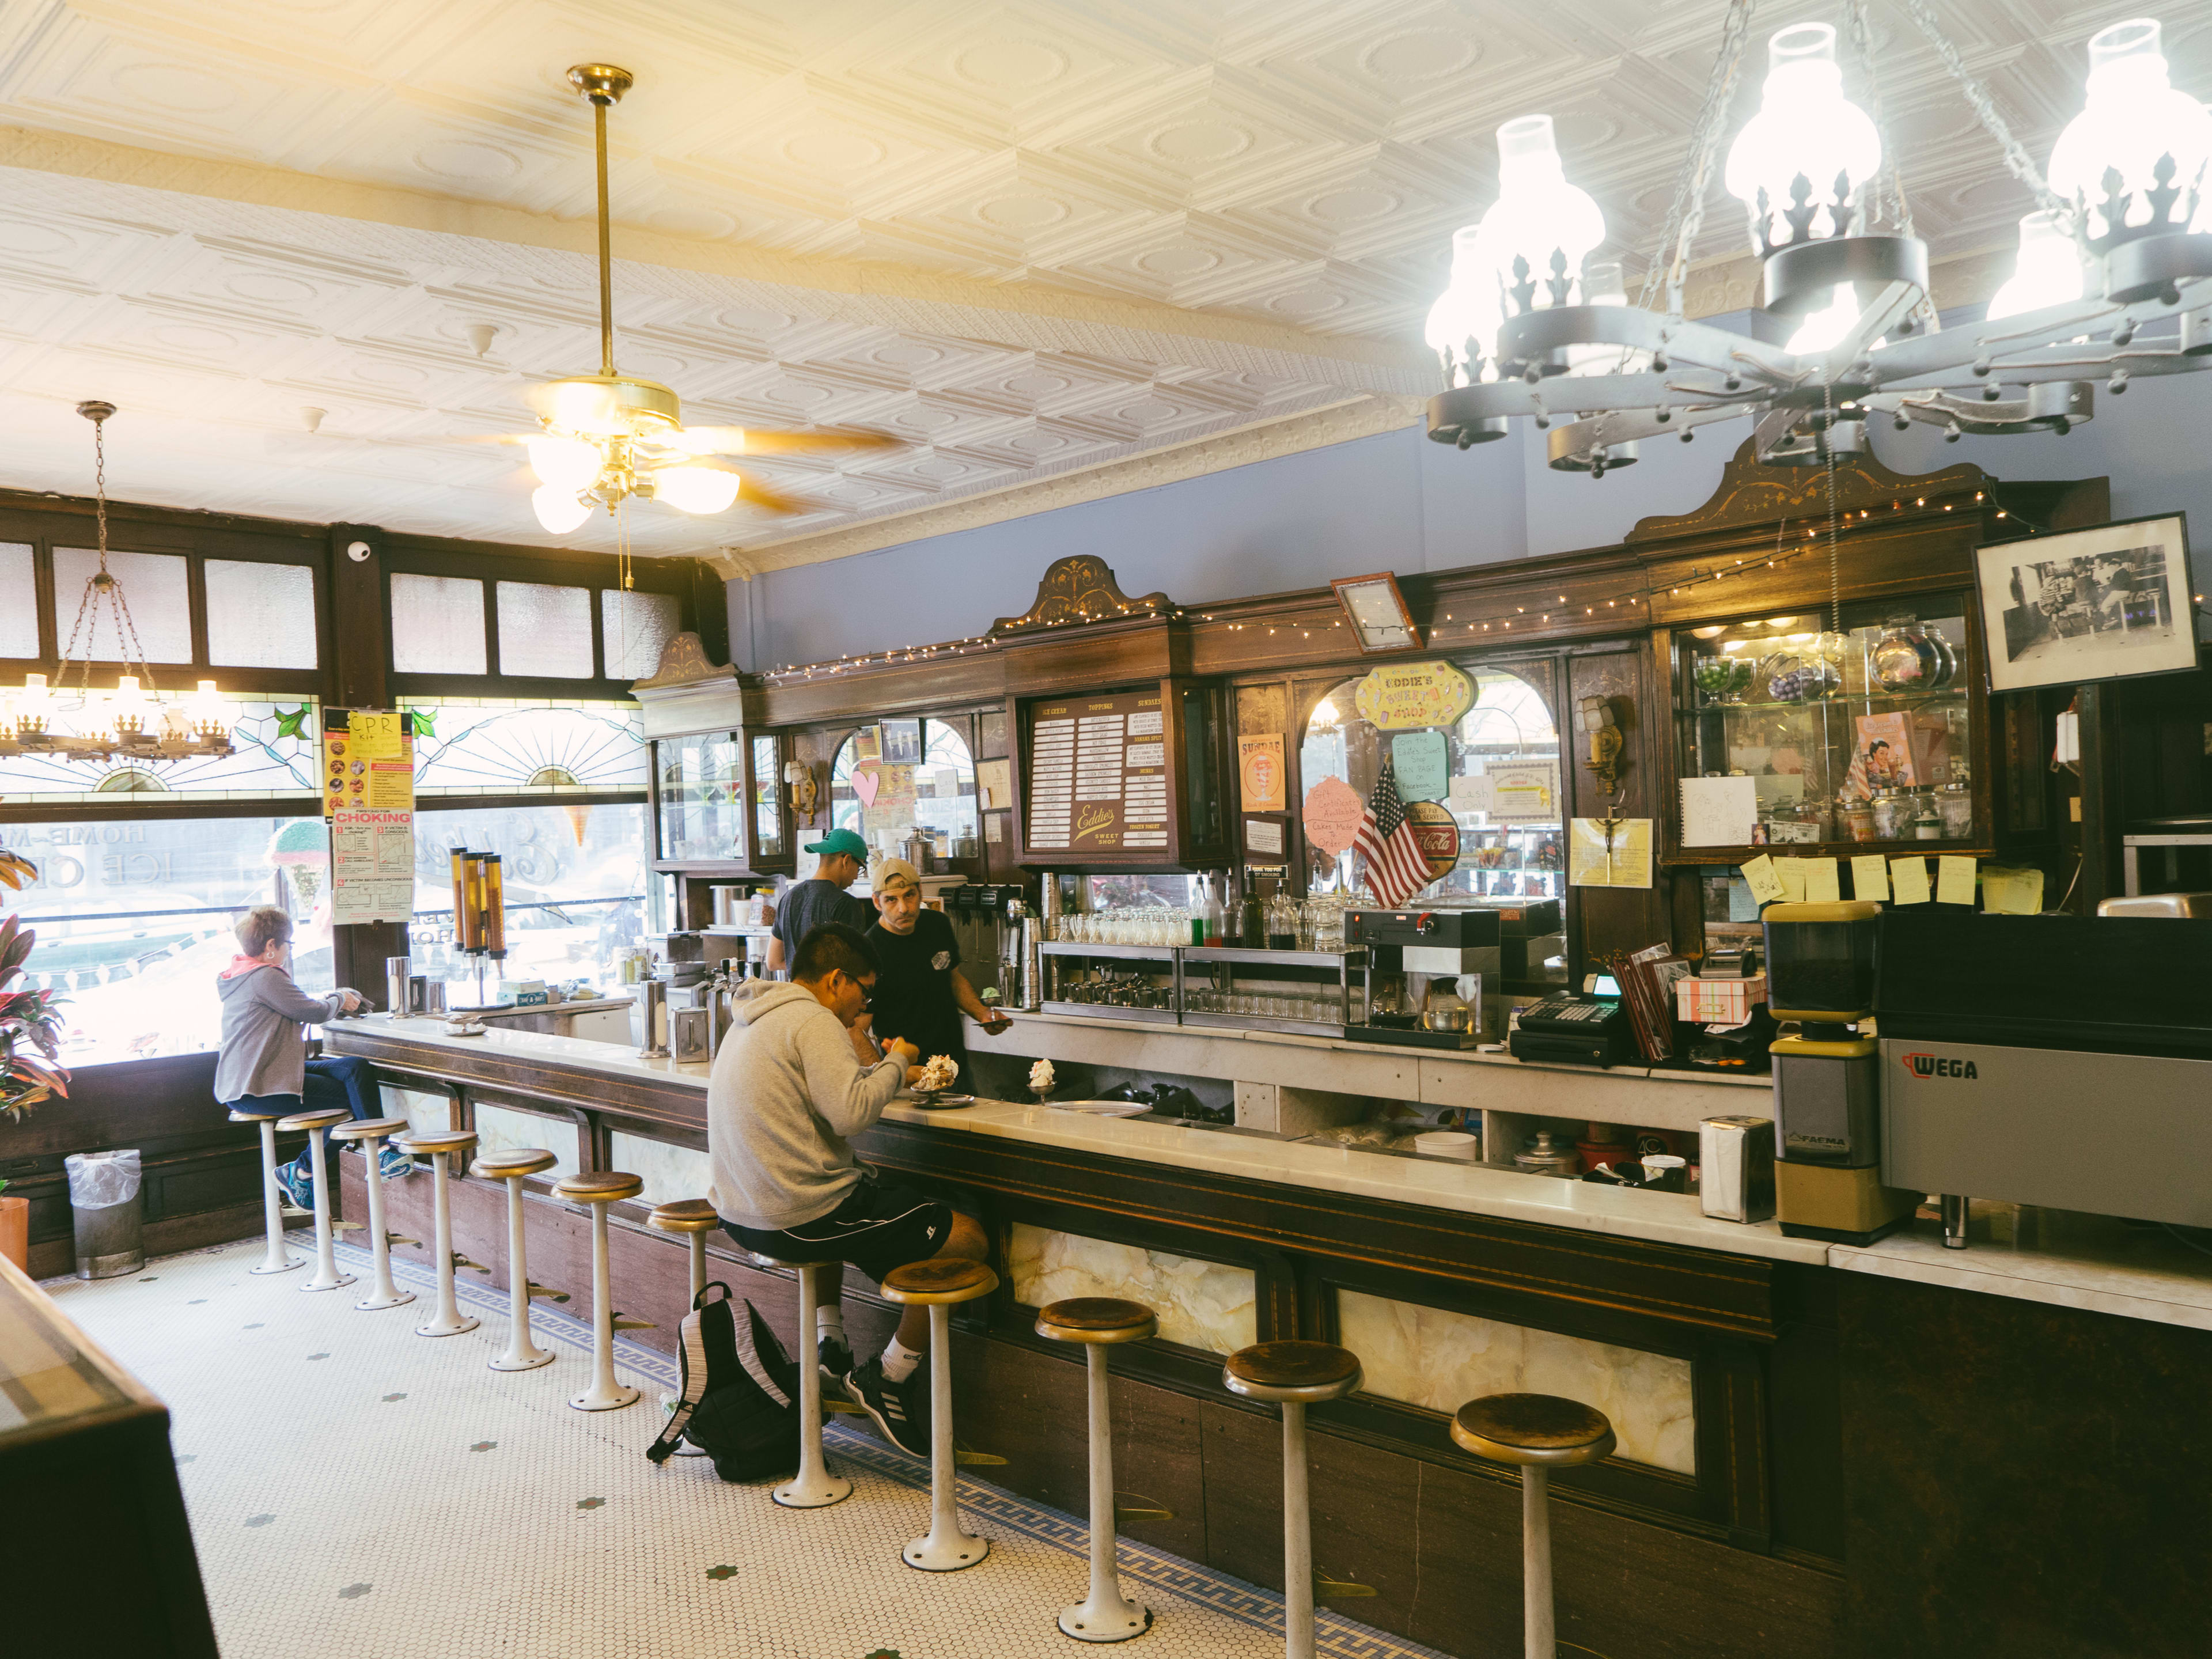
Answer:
(1102, 1108)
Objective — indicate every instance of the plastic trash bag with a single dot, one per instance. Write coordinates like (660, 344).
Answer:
(97, 1179)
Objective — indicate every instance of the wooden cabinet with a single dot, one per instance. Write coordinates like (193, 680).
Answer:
(716, 807)
(1138, 777)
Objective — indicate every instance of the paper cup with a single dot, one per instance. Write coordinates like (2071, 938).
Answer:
(1449, 1142)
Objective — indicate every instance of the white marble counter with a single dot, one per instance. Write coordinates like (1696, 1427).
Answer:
(2058, 1256)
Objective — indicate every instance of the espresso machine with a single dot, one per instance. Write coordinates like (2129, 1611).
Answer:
(1426, 972)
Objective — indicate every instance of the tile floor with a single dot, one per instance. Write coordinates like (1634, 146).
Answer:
(360, 1492)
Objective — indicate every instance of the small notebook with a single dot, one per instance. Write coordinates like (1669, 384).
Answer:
(1719, 811)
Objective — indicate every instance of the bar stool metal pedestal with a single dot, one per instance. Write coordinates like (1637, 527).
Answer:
(511, 1164)
(813, 1487)
(695, 1217)
(938, 1283)
(442, 1146)
(1099, 1321)
(1538, 1432)
(274, 1260)
(1296, 1374)
(327, 1276)
(598, 1190)
(369, 1132)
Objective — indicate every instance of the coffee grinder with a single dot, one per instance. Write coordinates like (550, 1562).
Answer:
(1820, 964)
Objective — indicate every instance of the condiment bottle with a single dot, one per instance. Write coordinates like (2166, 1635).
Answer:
(1251, 920)
(1211, 910)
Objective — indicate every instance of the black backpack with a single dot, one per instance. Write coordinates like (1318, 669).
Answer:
(739, 1399)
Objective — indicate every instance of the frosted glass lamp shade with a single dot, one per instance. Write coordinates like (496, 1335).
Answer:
(1800, 162)
(568, 463)
(2134, 157)
(1535, 239)
(2047, 272)
(559, 510)
(696, 488)
(1463, 322)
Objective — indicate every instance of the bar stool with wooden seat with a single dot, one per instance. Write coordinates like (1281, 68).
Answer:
(1537, 1431)
(1295, 1374)
(370, 1131)
(598, 1190)
(1099, 1321)
(695, 1217)
(936, 1285)
(327, 1276)
(813, 1487)
(511, 1164)
(442, 1146)
(275, 1259)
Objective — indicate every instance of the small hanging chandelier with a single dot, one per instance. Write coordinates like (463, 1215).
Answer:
(111, 724)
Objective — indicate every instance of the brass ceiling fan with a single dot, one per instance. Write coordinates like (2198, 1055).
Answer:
(608, 437)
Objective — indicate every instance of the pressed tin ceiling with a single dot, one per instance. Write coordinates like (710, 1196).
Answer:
(1032, 238)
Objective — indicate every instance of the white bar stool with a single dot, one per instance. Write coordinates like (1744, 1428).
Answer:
(511, 1164)
(936, 1285)
(327, 1276)
(275, 1259)
(369, 1131)
(1295, 1374)
(696, 1218)
(1538, 1432)
(442, 1146)
(598, 1190)
(813, 1487)
(1098, 1321)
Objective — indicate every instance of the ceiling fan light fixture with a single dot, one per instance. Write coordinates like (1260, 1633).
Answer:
(566, 464)
(695, 489)
(559, 510)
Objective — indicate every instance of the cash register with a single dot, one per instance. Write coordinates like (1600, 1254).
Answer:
(1577, 1028)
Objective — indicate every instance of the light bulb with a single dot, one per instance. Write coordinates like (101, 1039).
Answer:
(693, 488)
(2136, 125)
(1324, 713)
(2047, 272)
(581, 404)
(569, 464)
(1823, 328)
(559, 510)
(1532, 243)
(1800, 162)
(35, 695)
(129, 700)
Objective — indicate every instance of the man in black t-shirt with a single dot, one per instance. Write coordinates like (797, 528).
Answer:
(921, 991)
(821, 897)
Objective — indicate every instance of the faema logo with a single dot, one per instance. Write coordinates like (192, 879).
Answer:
(1940, 1066)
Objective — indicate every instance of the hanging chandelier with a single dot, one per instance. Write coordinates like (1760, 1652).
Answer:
(609, 437)
(134, 721)
(2113, 278)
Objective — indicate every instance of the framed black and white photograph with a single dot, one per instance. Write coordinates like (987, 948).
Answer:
(2105, 604)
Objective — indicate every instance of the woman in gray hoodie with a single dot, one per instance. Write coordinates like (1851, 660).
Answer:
(263, 1064)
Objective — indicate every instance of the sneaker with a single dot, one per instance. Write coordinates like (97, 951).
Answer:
(900, 1410)
(836, 1365)
(297, 1178)
(394, 1164)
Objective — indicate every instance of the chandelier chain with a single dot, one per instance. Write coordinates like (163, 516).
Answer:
(1686, 214)
(1872, 206)
(1829, 445)
(2017, 160)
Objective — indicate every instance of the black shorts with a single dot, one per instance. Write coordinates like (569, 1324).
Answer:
(877, 1227)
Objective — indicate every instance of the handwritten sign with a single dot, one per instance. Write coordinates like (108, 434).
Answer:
(1406, 695)
(374, 733)
(1333, 811)
(1420, 758)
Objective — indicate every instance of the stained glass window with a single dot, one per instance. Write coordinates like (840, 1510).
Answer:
(19, 602)
(274, 757)
(260, 616)
(637, 628)
(156, 587)
(501, 746)
(544, 631)
(437, 624)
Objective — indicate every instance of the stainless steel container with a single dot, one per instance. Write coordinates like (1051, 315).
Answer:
(434, 996)
(648, 1019)
(395, 983)
(732, 908)
(418, 994)
(687, 1034)
(1735, 1168)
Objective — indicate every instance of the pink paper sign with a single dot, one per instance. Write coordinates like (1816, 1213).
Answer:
(864, 782)
(1332, 810)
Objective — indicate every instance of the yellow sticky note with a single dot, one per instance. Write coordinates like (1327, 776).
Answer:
(1823, 882)
(1792, 874)
(1954, 879)
(1870, 878)
(1910, 877)
(2012, 892)
(1758, 875)
(374, 734)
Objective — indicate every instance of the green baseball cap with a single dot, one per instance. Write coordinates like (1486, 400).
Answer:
(840, 841)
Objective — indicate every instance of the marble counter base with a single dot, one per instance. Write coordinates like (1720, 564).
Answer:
(1201, 1304)
(2061, 1257)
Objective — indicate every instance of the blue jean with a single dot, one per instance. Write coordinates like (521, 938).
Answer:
(331, 1080)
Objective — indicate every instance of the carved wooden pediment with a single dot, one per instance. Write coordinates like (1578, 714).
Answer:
(684, 662)
(1080, 588)
(1752, 493)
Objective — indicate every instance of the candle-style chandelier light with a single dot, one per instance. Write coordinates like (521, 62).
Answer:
(2113, 278)
(134, 721)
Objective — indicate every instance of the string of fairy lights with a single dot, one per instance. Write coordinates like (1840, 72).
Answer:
(1450, 628)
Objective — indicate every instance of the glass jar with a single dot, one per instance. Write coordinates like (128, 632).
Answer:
(1892, 815)
(1905, 658)
(1926, 825)
(1806, 671)
(1714, 676)
(1947, 671)
(1858, 818)
(1954, 803)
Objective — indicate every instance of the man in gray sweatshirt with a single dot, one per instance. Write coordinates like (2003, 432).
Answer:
(795, 1078)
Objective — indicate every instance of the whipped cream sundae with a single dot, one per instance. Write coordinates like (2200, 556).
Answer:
(1041, 1076)
(939, 1074)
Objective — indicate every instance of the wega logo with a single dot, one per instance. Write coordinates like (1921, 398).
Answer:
(1938, 1066)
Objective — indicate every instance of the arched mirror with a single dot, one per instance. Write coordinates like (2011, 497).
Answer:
(897, 776)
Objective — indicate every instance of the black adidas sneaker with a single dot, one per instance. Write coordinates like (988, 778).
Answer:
(901, 1410)
(837, 1360)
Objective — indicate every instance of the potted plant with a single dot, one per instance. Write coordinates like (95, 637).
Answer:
(30, 1043)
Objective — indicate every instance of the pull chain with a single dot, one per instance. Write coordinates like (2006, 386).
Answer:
(1829, 445)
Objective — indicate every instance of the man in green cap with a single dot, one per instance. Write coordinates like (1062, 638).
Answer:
(822, 897)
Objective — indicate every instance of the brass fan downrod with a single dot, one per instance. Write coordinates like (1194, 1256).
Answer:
(603, 84)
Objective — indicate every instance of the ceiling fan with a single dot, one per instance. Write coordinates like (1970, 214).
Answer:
(608, 437)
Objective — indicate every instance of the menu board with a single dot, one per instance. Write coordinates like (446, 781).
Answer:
(1098, 776)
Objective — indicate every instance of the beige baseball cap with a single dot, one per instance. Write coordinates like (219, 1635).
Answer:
(889, 876)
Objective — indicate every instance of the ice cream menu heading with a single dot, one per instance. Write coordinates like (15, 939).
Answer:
(1097, 776)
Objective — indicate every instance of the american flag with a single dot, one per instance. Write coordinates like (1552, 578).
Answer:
(1395, 868)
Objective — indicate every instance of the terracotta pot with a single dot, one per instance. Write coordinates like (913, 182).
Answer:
(15, 1230)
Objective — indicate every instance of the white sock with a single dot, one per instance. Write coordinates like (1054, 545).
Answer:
(899, 1361)
(830, 1323)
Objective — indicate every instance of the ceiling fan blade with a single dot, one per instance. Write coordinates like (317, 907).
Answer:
(494, 438)
(772, 501)
(756, 441)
